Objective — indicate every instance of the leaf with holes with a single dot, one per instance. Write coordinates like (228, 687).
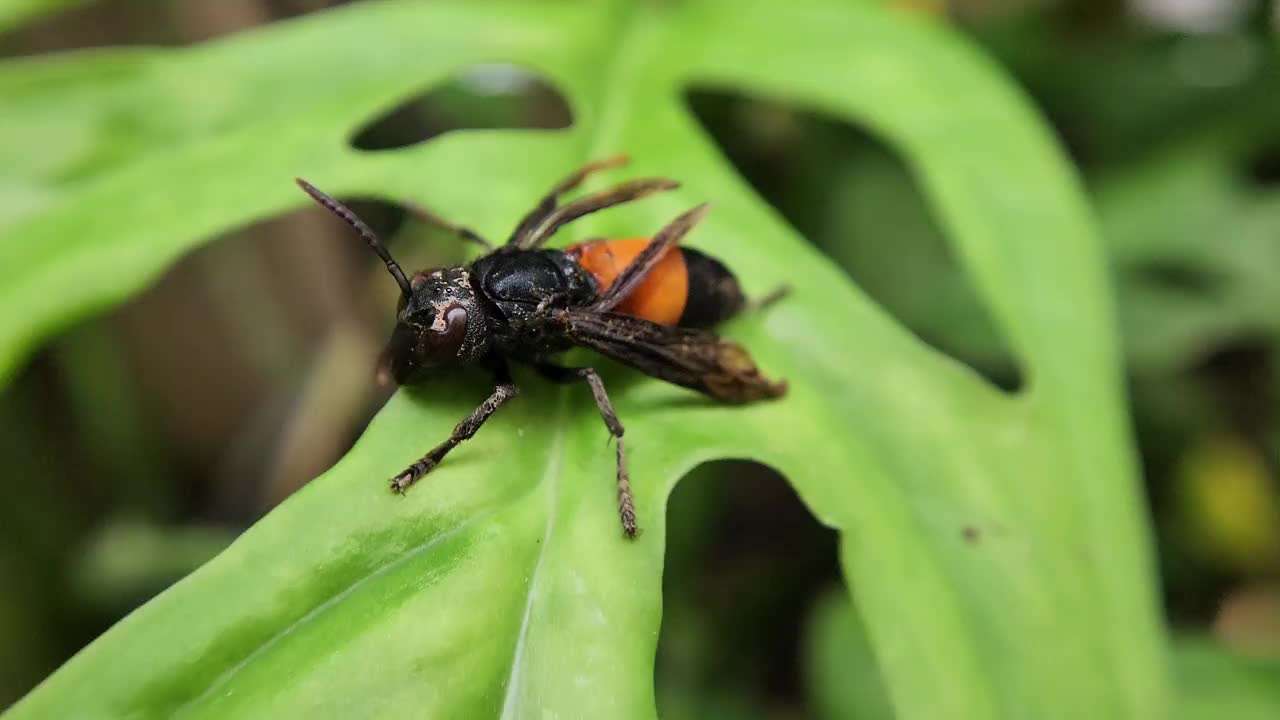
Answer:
(994, 543)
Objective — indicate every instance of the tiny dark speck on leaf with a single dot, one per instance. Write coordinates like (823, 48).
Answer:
(971, 533)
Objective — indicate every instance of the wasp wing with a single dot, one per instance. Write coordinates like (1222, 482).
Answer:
(696, 359)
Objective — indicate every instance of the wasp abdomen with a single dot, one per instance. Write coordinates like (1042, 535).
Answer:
(686, 288)
(714, 294)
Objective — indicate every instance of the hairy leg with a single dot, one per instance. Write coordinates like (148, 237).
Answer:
(763, 303)
(556, 373)
(503, 391)
(548, 203)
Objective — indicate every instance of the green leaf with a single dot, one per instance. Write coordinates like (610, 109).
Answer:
(994, 543)
(844, 680)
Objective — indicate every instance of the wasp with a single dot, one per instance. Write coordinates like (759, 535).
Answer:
(645, 302)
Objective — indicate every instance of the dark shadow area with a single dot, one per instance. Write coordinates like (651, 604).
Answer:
(1263, 168)
(1244, 390)
(855, 200)
(480, 97)
(745, 563)
(1232, 393)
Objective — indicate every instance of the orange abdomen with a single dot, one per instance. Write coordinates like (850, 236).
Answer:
(660, 297)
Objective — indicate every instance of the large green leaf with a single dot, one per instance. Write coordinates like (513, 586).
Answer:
(994, 543)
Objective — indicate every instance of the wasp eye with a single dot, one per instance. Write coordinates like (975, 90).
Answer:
(445, 337)
(419, 345)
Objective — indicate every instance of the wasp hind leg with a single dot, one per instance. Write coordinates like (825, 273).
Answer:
(503, 391)
(767, 300)
(558, 374)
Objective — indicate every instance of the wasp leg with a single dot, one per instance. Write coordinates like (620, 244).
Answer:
(556, 373)
(502, 392)
(549, 201)
(581, 174)
(764, 303)
(463, 233)
(537, 234)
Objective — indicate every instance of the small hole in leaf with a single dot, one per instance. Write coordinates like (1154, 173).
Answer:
(484, 96)
(745, 563)
(855, 200)
(1263, 169)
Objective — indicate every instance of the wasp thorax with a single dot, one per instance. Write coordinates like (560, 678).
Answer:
(439, 327)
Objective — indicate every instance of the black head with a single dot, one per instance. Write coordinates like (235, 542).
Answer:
(439, 325)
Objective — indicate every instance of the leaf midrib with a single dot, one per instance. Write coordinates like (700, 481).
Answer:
(551, 481)
(595, 145)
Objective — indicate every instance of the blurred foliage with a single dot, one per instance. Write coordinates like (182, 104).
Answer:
(1174, 133)
(1223, 493)
(1216, 683)
(1210, 681)
(13, 13)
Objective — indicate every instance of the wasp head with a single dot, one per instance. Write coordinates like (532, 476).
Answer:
(439, 326)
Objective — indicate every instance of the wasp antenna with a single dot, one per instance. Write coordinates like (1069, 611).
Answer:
(614, 161)
(370, 237)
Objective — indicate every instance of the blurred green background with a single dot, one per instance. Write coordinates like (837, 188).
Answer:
(202, 403)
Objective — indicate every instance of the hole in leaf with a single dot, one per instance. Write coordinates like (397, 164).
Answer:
(1263, 169)
(745, 564)
(856, 201)
(484, 96)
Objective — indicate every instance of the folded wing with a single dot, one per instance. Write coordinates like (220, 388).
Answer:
(694, 358)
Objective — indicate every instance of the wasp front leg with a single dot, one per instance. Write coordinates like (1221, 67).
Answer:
(503, 391)
(556, 373)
